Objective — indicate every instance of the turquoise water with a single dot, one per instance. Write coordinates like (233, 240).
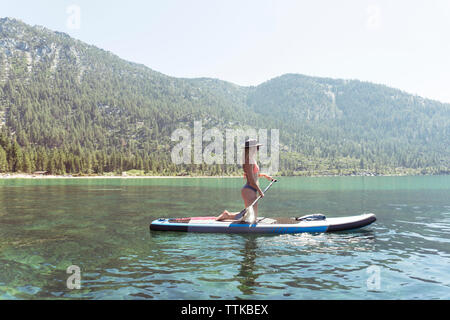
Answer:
(102, 226)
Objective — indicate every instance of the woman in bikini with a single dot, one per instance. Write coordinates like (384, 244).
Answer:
(251, 173)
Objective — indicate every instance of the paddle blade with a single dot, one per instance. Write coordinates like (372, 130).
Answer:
(250, 218)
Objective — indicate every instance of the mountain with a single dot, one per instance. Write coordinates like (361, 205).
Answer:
(69, 107)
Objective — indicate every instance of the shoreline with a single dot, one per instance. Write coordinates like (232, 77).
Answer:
(7, 176)
(31, 176)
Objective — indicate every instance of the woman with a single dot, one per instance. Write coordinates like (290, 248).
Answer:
(251, 172)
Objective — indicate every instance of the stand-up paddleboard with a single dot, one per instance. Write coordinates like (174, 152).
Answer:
(311, 223)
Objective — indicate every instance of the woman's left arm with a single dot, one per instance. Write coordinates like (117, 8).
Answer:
(266, 176)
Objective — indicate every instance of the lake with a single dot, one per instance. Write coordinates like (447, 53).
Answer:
(102, 226)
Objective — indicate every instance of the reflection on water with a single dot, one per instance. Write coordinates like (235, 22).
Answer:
(102, 226)
(247, 273)
(270, 249)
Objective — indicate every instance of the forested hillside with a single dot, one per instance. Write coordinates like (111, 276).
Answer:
(70, 108)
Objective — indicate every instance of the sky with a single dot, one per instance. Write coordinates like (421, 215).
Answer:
(404, 44)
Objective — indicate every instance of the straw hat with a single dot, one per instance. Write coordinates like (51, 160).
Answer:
(252, 143)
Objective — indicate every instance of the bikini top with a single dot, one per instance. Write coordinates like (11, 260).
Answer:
(255, 168)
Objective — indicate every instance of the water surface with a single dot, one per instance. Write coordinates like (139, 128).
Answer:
(102, 226)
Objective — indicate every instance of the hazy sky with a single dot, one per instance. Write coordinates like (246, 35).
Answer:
(401, 43)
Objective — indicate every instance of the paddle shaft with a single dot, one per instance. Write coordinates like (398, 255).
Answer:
(259, 197)
(241, 214)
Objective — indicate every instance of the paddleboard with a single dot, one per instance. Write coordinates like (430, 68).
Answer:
(262, 225)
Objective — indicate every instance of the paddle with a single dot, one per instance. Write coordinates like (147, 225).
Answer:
(241, 215)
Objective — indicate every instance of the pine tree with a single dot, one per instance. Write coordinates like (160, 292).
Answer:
(15, 157)
(27, 166)
(3, 160)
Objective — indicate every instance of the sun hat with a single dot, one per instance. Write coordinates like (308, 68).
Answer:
(252, 143)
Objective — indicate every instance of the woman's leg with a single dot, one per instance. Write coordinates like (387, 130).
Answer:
(248, 195)
(225, 215)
